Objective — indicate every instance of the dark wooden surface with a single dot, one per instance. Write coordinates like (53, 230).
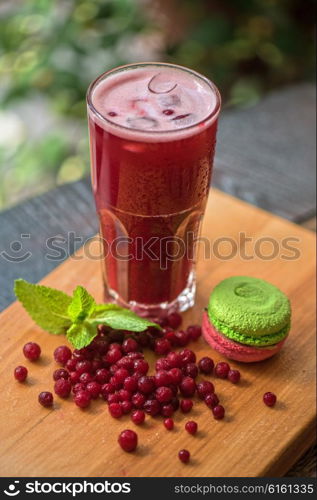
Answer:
(265, 155)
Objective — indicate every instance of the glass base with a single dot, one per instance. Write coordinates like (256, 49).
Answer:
(184, 301)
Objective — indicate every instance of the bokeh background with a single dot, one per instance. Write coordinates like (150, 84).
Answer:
(50, 50)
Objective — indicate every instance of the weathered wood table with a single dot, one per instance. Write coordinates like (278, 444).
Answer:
(265, 156)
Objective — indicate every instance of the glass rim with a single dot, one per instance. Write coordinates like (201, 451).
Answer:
(213, 114)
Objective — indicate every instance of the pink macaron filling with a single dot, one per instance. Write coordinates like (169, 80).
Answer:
(234, 350)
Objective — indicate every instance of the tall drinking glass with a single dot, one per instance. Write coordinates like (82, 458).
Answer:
(152, 140)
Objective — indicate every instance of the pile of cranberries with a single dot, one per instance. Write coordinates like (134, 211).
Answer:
(113, 368)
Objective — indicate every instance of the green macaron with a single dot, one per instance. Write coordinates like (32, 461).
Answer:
(250, 311)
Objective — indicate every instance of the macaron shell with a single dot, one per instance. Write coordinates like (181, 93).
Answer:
(250, 306)
(241, 338)
(234, 350)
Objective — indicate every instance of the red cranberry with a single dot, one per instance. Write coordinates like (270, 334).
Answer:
(218, 412)
(130, 345)
(138, 400)
(116, 337)
(85, 378)
(82, 399)
(167, 410)
(184, 456)
(163, 378)
(211, 400)
(181, 338)
(32, 351)
(113, 369)
(60, 373)
(206, 365)
(77, 354)
(152, 407)
(234, 376)
(191, 370)
(135, 355)
(174, 360)
(118, 385)
(176, 375)
(141, 366)
(204, 388)
(187, 387)
(20, 373)
(83, 366)
(175, 403)
(138, 417)
(46, 399)
(169, 424)
(128, 440)
(161, 321)
(115, 410)
(62, 387)
(187, 356)
(78, 387)
(71, 364)
(191, 427)
(113, 398)
(116, 346)
(124, 395)
(168, 112)
(126, 363)
(62, 354)
(269, 399)
(162, 346)
(100, 344)
(131, 383)
(162, 364)
(96, 365)
(126, 407)
(143, 339)
(106, 390)
(146, 384)
(186, 405)
(102, 375)
(194, 332)
(121, 374)
(174, 320)
(222, 369)
(170, 336)
(113, 356)
(174, 389)
(74, 377)
(163, 394)
(94, 389)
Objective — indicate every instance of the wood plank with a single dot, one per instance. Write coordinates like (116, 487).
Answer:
(253, 440)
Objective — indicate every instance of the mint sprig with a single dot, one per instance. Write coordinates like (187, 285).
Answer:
(78, 316)
(46, 306)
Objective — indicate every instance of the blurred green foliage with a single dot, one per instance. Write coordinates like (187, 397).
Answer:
(49, 53)
(50, 50)
(247, 46)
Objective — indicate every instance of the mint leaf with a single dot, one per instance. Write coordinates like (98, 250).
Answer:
(122, 319)
(79, 315)
(81, 334)
(81, 305)
(99, 309)
(46, 306)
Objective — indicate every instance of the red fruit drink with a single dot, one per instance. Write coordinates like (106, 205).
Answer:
(152, 139)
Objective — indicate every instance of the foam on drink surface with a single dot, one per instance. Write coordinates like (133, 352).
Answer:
(154, 99)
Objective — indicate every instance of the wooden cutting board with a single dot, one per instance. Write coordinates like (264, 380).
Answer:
(253, 440)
